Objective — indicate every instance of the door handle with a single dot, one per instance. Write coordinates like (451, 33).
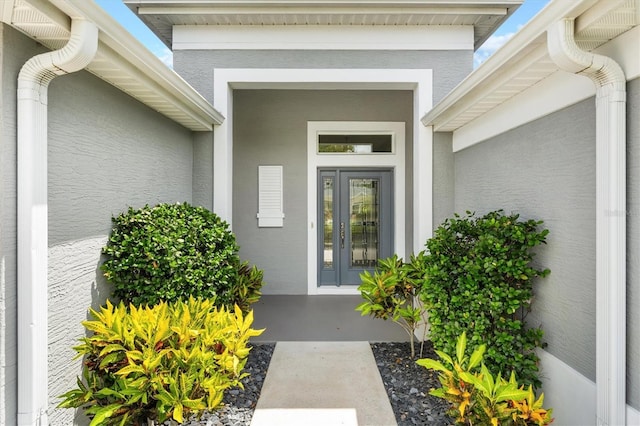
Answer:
(341, 234)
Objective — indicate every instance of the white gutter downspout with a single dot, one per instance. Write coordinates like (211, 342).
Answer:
(33, 81)
(610, 84)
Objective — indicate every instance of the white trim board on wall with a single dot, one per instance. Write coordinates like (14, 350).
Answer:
(417, 80)
(572, 395)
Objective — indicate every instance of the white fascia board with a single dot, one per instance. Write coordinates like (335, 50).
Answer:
(558, 91)
(124, 47)
(510, 52)
(323, 37)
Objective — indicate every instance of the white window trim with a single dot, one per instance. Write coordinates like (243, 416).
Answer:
(394, 160)
(417, 80)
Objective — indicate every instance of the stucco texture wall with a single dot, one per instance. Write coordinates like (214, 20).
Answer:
(443, 178)
(546, 170)
(107, 152)
(633, 243)
(270, 128)
(449, 67)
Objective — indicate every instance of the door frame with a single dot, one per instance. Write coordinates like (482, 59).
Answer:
(394, 160)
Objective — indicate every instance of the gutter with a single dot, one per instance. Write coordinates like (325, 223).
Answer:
(33, 82)
(131, 55)
(610, 84)
(482, 80)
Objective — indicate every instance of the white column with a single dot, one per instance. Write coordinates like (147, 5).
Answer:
(223, 152)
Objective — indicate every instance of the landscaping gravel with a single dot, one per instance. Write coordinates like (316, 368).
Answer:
(407, 385)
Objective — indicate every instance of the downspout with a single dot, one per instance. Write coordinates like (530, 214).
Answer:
(610, 84)
(33, 81)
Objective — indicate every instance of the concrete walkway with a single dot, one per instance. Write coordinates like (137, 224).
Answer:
(323, 383)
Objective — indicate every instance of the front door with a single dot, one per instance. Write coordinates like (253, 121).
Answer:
(356, 223)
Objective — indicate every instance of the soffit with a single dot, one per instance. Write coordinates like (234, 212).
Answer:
(121, 60)
(524, 61)
(484, 16)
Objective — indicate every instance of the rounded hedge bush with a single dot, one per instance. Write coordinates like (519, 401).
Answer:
(171, 252)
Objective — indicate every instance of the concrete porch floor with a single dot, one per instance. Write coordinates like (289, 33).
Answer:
(320, 319)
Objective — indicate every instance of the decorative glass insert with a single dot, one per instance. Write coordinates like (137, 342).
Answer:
(355, 144)
(363, 221)
(327, 215)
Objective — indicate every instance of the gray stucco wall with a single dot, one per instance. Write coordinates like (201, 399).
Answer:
(546, 170)
(443, 178)
(633, 243)
(449, 67)
(270, 127)
(106, 152)
(203, 169)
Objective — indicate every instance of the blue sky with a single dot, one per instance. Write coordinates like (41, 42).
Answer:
(131, 22)
(525, 12)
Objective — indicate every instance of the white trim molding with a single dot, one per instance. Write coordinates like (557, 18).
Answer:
(323, 37)
(572, 395)
(394, 160)
(417, 80)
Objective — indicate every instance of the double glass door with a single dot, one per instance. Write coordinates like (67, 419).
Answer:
(355, 223)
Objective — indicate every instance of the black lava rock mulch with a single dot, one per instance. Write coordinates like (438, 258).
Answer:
(257, 365)
(408, 384)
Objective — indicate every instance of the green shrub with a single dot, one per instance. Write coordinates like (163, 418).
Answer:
(175, 251)
(159, 362)
(248, 285)
(477, 398)
(391, 293)
(478, 279)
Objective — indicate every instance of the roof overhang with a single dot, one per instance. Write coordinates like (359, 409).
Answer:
(484, 15)
(524, 61)
(121, 60)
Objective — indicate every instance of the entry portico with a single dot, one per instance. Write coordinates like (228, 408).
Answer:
(287, 53)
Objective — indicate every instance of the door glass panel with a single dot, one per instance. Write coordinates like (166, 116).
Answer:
(363, 221)
(327, 215)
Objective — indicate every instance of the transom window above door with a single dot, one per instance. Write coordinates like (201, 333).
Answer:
(355, 143)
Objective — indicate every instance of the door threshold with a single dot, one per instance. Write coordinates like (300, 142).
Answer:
(335, 290)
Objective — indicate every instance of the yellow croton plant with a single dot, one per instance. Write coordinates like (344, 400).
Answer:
(159, 362)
